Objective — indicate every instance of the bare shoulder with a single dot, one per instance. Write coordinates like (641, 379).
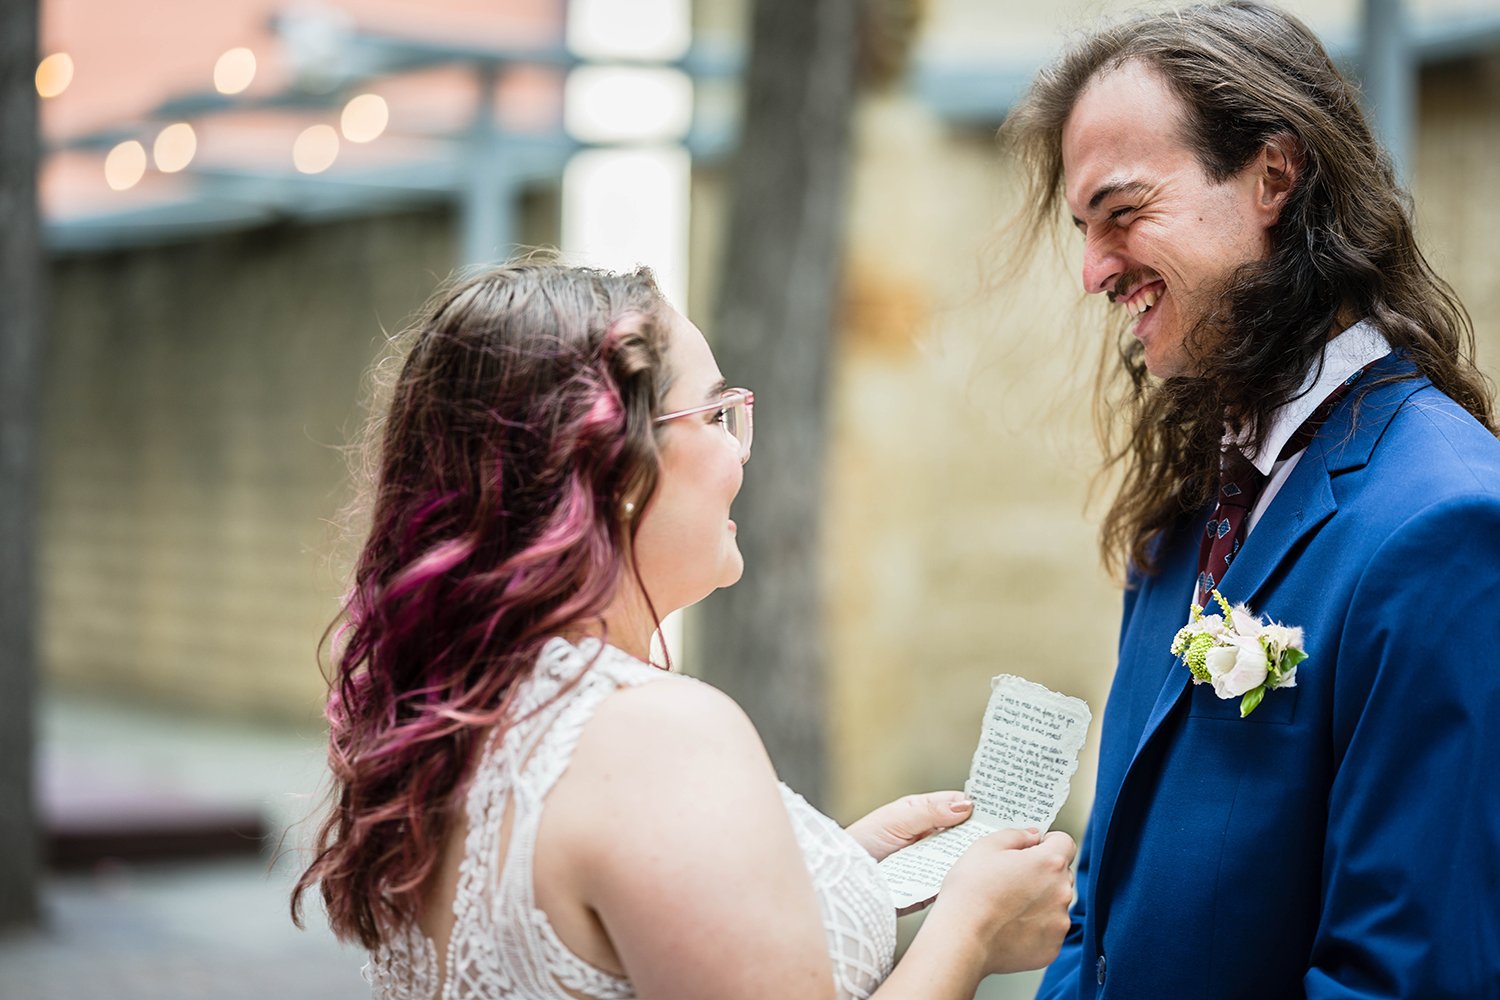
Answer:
(671, 730)
(669, 820)
(674, 708)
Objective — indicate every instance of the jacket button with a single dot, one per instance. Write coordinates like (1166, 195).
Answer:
(1099, 970)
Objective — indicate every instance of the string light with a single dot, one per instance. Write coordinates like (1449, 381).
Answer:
(125, 165)
(365, 118)
(53, 74)
(315, 149)
(234, 71)
(175, 147)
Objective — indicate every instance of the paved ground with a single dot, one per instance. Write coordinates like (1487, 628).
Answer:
(200, 930)
(183, 931)
(209, 931)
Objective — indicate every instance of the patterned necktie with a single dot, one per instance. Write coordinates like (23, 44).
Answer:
(1240, 484)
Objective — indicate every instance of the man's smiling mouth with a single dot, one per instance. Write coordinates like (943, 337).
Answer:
(1141, 300)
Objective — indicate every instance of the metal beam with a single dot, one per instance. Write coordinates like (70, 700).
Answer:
(972, 95)
(1388, 69)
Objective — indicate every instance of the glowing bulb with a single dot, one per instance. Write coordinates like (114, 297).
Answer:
(315, 149)
(53, 74)
(234, 71)
(364, 118)
(174, 147)
(125, 165)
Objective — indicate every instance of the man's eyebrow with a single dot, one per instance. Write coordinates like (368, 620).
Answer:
(1117, 187)
(1109, 189)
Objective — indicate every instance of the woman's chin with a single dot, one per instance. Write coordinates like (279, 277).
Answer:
(734, 569)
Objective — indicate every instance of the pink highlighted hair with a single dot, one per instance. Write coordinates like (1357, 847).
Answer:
(519, 426)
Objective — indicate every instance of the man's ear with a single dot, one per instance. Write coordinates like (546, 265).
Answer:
(1278, 168)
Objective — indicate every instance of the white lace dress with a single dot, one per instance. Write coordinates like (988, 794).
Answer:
(502, 945)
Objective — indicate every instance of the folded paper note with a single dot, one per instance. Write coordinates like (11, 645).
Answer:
(1027, 753)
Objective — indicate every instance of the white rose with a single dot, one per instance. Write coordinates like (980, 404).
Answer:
(1237, 667)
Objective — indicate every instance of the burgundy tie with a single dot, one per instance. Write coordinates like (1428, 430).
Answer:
(1240, 484)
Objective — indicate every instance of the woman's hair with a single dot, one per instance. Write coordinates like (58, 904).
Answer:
(519, 427)
(1343, 248)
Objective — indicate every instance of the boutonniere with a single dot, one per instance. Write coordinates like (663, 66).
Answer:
(1240, 654)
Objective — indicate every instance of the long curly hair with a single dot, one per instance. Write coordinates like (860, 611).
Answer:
(519, 427)
(1343, 248)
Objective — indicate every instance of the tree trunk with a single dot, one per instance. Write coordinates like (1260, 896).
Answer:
(20, 339)
(762, 640)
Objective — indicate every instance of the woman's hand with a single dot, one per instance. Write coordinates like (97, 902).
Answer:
(909, 819)
(1003, 908)
(1012, 893)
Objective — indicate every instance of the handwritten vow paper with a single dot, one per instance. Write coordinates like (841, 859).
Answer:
(1028, 751)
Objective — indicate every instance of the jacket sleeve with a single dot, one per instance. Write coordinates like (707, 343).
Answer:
(1411, 863)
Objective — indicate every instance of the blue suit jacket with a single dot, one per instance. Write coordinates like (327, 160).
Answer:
(1344, 840)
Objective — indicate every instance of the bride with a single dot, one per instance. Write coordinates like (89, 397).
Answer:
(526, 806)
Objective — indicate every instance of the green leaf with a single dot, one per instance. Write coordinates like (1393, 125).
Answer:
(1291, 658)
(1252, 698)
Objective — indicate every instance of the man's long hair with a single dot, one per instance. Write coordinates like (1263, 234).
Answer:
(1342, 249)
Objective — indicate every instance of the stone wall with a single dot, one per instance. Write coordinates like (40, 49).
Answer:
(958, 545)
(197, 401)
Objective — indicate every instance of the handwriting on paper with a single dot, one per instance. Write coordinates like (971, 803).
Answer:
(1027, 754)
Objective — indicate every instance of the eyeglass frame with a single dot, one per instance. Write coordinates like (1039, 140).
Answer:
(719, 404)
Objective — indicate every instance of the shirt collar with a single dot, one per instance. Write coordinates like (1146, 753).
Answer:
(1344, 355)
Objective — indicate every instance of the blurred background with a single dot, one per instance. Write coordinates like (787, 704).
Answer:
(238, 201)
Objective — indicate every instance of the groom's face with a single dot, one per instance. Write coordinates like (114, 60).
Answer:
(1160, 235)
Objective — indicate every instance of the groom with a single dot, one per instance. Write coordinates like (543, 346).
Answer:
(1301, 427)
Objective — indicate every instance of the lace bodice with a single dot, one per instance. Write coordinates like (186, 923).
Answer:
(503, 946)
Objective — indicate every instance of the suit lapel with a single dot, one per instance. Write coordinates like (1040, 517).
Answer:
(1306, 500)
(1170, 597)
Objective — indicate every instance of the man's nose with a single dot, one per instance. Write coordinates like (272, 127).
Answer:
(1102, 266)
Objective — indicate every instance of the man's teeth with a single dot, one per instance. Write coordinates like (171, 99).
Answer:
(1142, 302)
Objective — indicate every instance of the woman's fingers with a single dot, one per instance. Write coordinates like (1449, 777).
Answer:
(907, 820)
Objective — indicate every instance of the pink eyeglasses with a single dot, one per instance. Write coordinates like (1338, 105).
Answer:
(736, 408)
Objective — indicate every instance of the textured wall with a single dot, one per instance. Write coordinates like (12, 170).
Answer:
(1457, 168)
(958, 546)
(196, 399)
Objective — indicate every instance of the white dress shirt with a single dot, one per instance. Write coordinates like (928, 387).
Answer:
(1344, 355)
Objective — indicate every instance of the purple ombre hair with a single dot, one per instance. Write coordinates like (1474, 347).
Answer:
(518, 428)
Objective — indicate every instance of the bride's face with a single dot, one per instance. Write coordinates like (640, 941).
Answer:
(685, 546)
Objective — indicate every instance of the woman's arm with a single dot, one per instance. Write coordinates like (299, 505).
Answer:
(679, 842)
(690, 860)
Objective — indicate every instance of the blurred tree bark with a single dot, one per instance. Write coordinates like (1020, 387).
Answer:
(762, 641)
(20, 342)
